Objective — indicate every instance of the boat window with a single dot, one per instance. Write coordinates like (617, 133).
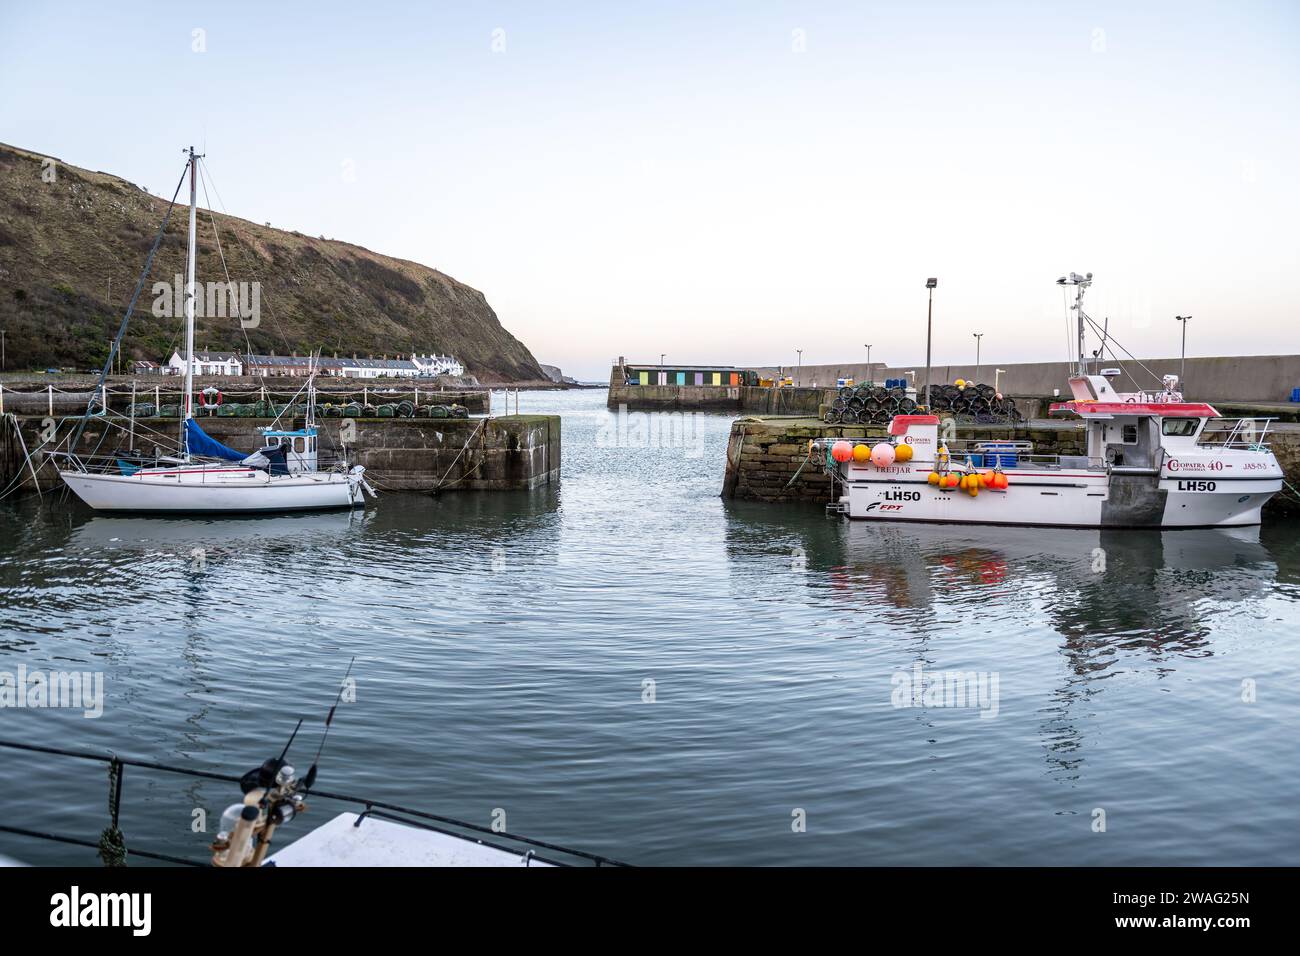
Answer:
(1130, 434)
(1181, 427)
(298, 445)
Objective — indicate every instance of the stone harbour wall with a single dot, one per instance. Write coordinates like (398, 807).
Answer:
(506, 453)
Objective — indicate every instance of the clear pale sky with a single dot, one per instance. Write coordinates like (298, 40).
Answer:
(727, 182)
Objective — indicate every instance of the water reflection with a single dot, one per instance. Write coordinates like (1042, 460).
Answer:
(1117, 601)
(1154, 591)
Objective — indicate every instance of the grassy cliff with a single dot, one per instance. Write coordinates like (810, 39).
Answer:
(73, 242)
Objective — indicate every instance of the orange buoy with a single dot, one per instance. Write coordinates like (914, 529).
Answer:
(974, 489)
(842, 451)
(861, 453)
(933, 478)
(902, 453)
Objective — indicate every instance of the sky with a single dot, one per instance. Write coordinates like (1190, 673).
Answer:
(728, 182)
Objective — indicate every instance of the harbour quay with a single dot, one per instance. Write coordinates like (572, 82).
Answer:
(69, 394)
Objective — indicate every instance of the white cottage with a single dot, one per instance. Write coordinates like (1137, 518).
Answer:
(437, 365)
(207, 363)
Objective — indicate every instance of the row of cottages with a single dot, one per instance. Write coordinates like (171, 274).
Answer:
(234, 364)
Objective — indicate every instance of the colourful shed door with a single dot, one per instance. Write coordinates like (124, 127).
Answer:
(735, 378)
(681, 378)
(645, 378)
(717, 378)
(699, 378)
(663, 378)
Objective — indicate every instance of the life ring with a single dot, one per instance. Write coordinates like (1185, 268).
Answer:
(203, 397)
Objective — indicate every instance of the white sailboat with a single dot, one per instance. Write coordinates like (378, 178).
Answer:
(207, 476)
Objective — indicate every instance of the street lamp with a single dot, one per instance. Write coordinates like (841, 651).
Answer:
(798, 371)
(869, 378)
(929, 316)
(978, 336)
(1182, 365)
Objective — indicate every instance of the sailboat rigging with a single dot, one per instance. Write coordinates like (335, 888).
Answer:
(206, 475)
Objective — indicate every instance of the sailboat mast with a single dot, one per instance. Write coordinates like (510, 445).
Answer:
(189, 300)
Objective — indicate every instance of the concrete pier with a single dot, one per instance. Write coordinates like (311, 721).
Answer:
(506, 453)
(767, 458)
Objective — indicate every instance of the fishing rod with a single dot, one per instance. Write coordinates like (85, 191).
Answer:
(273, 796)
(329, 721)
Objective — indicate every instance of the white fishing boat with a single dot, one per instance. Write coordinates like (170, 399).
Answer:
(1152, 460)
(206, 476)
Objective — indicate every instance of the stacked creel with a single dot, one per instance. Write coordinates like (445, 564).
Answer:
(876, 405)
(263, 409)
(869, 405)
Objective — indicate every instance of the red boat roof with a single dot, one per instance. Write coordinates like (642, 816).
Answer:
(898, 425)
(1164, 409)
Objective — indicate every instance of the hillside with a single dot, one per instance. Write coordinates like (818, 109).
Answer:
(71, 251)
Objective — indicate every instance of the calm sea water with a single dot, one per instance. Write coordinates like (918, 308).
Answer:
(632, 666)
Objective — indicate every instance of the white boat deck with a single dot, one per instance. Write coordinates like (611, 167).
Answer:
(379, 842)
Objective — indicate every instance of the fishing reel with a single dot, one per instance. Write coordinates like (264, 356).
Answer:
(273, 796)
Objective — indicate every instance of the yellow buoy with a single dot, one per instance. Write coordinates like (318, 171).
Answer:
(902, 453)
(933, 478)
(861, 453)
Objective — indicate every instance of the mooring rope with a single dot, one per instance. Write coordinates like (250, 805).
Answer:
(112, 845)
(438, 486)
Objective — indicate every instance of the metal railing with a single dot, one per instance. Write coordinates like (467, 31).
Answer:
(508, 842)
(1239, 433)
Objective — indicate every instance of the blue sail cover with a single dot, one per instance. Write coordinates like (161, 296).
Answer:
(197, 442)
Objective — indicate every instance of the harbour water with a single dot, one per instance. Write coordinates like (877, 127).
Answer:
(629, 665)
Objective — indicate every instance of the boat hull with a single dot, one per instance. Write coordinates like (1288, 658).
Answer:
(1068, 501)
(214, 491)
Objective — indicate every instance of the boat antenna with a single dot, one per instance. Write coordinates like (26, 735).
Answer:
(329, 720)
(1081, 283)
